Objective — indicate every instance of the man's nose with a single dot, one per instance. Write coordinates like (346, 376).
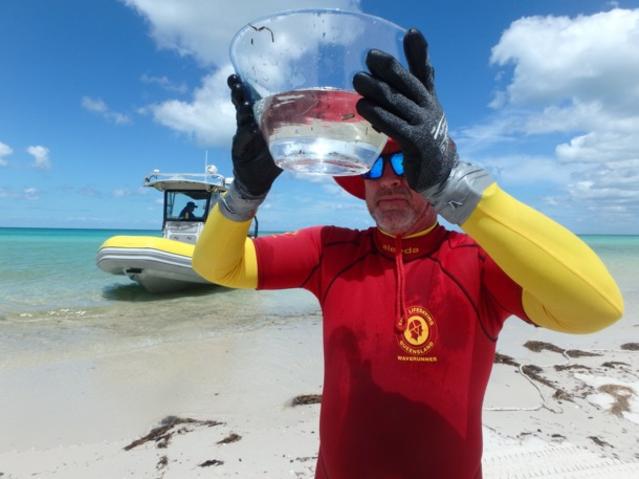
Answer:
(389, 178)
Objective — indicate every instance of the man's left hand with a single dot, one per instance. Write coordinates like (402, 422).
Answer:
(402, 104)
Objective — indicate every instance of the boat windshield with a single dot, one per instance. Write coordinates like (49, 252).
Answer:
(186, 205)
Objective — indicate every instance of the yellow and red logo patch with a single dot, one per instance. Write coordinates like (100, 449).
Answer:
(417, 337)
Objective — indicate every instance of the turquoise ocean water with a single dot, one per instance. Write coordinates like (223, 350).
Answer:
(52, 271)
(47, 269)
(52, 293)
(52, 296)
(43, 271)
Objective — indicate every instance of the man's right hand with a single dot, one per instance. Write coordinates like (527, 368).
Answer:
(253, 166)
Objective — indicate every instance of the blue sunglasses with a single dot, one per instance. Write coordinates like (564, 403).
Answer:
(396, 161)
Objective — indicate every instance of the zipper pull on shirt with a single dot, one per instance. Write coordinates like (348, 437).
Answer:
(400, 300)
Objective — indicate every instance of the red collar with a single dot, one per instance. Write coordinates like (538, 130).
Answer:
(413, 246)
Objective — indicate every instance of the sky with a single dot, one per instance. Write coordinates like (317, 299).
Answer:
(95, 95)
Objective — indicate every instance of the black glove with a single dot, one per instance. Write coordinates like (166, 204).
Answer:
(253, 166)
(403, 105)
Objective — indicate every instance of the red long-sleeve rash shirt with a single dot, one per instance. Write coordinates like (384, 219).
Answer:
(409, 342)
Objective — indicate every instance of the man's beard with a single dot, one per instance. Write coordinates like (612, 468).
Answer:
(399, 219)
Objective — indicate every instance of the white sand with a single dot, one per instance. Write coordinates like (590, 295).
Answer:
(71, 416)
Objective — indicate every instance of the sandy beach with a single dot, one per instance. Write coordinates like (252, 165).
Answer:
(244, 404)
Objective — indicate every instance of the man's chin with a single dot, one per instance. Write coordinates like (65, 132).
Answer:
(393, 224)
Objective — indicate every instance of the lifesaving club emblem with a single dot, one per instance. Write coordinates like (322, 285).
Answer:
(418, 336)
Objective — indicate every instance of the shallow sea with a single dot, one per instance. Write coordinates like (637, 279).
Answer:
(53, 296)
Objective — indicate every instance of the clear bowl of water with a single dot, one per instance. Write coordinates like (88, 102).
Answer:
(299, 67)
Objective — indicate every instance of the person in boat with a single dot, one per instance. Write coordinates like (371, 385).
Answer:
(411, 311)
(187, 212)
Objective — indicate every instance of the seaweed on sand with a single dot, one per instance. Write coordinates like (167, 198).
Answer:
(505, 359)
(621, 394)
(305, 399)
(539, 346)
(230, 438)
(564, 367)
(162, 434)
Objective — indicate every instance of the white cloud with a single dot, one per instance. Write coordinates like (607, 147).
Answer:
(41, 156)
(526, 169)
(584, 58)
(578, 77)
(209, 117)
(94, 105)
(204, 29)
(164, 83)
(5, 150)
(121, 192)
(600, 147)
(31, 194)
(612, 186)
(97, 105)
(125, 192)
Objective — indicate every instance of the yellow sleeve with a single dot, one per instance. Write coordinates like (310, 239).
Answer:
(565, 285)
(224, 254)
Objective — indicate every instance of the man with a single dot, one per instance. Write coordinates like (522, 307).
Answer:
(188, 212)
(411, 311)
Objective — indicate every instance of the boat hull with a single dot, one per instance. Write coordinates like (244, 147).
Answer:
(158, 264)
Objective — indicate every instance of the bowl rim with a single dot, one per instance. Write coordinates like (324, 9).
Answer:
(299, 11)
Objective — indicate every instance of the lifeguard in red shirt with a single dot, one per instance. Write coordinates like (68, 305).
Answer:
(411, 311)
